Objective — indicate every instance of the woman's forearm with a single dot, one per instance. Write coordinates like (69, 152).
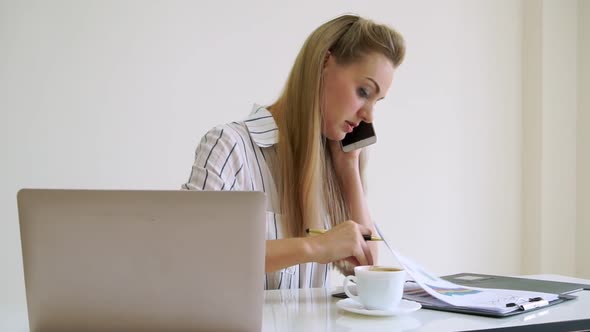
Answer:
(287, 252)
(344, 241)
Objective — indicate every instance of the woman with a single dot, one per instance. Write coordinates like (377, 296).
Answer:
(291, 151)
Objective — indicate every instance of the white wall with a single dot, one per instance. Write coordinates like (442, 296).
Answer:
(550, 141)
(583, 145)
(110, 94)
(559, 135)
(532, 79)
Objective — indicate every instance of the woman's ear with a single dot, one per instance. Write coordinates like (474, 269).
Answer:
(326, 58)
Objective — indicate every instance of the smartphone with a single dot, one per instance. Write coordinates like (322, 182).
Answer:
(361, 136)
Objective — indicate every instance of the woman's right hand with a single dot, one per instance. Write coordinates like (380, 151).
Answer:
(344, 241)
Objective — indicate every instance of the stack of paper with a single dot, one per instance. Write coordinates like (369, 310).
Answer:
(432, 291)
(436, 293)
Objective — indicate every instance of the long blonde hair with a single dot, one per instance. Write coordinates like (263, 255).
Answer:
(308, 188)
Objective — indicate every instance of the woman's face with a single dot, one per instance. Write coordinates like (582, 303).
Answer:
(351, 91)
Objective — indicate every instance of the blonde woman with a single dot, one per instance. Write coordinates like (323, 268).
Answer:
(290, 150)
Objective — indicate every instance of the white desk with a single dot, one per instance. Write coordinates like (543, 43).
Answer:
(315, 310)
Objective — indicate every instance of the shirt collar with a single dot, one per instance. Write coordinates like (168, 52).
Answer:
(262, 127)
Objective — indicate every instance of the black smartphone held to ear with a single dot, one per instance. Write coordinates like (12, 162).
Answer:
(361, 136)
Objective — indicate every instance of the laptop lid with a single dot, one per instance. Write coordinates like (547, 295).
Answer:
(97, 260)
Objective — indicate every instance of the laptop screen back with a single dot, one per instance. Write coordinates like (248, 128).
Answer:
(97, 260)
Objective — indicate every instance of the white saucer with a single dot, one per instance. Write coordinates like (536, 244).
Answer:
(405, 307)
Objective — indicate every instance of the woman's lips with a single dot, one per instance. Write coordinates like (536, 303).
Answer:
(349, 126)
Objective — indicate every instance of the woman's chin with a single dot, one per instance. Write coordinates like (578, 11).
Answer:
(336, 135)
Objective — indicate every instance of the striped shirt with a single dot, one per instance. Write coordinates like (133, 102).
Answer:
(239, 156)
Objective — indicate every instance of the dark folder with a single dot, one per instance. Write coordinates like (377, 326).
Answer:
(501, 282)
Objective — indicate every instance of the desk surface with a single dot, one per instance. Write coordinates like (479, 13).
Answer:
(315, 310)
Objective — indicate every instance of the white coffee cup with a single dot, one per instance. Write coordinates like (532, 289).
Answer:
(378, 287)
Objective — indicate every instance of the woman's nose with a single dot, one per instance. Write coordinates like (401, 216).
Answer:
(366, 113)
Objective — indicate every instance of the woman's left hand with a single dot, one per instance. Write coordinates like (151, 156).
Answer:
(344, 162)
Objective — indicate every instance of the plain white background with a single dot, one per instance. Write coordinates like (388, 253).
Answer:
(116, 94)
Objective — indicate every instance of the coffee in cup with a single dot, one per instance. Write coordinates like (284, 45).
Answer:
(378, 287)
(384, 269)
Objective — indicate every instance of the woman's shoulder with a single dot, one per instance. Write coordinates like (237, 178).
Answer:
(259, 125)
(233, 132)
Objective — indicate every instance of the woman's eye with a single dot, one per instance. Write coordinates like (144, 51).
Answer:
(363, 93)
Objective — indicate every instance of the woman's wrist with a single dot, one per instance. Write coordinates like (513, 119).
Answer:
(283, 253)
(314, 249)
(346, 169)
(349, 178)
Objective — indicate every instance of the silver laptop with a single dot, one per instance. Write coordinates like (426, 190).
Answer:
(102, 260)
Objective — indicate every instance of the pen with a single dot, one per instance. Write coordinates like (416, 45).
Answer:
(322, 231)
